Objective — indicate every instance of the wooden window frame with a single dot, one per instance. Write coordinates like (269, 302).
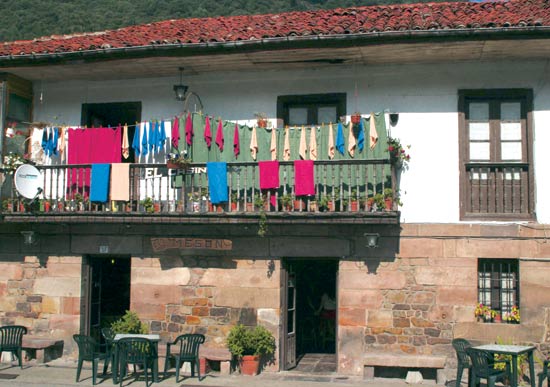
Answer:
(525, 97)
(311, 101)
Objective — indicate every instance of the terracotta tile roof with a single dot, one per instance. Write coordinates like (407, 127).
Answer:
(358, 20)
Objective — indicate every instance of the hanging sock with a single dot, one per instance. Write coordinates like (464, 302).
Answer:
(373, 134)
(125, 145)
(189, 129)
(340, 143)
(236, 142)
(219, 135)
(331, 149)
(253, 143)
(207, 132)
(361, 136)
(303, 147)
(313, 144)
(286, 145)
(352, 143)
(136, 142)
(175, 133)
(273, 146)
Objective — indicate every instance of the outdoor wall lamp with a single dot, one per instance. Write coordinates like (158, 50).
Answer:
(394, 118)
(29, 237)
(372, 239)
(180, 89)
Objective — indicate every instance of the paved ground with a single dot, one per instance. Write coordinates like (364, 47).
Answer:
(63, 373)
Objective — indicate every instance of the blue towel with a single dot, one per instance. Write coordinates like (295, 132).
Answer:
(361, 136)
(99, 186)
(152, 137)
(45, 146)
(135, 142)
(217, 181)
(144, 144)
(340, 143)
(161, 135)
(55, 138)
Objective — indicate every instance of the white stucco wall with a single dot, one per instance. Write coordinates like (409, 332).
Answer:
(426, 96)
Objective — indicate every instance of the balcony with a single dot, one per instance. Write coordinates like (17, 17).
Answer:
(350, 191)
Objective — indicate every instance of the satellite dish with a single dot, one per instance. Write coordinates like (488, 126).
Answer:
(28, 181)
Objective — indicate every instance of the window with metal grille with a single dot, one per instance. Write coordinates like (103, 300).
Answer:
(498, 284)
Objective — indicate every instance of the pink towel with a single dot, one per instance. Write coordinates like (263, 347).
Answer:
(219, 135)
(236, 143)
(269, 174)
(304, 180)
(207, 132)
(175, 133)
(189, 129)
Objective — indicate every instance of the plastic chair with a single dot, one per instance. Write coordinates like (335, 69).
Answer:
(545, 374)
(463, 361)
(109, 337)
(189, 344)
(483, 367)
(136, 351)
(88, 350)
(11, 339)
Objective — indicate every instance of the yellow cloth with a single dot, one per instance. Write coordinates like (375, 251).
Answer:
(352, 142)
(273, 147)
(313, 144)
(286, 149)
(253, 143)
(331, 148)
(373, 134)
(120, 181)
(125, 143)
(303, 147)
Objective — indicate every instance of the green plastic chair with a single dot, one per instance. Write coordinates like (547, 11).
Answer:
(463, 361)
(483, 367)
(545, 374)
(88, 350)
(11, 340)
(109, 337)
(136, 351)
(188, 350)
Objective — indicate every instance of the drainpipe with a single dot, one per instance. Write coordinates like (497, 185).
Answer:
(3, 93)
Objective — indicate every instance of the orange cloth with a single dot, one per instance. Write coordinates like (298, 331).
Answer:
(331, 148)
(125, 143)
(303, 147)
(286, 149)
(313, 143)
(120, 181)
(253, 144)
(273, 147)
(373, 134)
(352, 142)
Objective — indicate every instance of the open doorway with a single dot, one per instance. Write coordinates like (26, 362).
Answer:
(312, 334)
(106, 292)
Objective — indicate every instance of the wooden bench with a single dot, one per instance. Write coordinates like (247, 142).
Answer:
(222, 356)
(385, 359)
(42, 349)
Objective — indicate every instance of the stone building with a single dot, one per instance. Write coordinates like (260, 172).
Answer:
(464, 84)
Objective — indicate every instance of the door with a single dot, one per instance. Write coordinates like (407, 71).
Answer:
(289, 317)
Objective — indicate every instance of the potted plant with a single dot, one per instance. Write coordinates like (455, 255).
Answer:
(179, 161)
(261, 120)
(398, 156)
(194, 202)
(353, 201)
(148, 205)
(313, 206)
(129, 323)
(512, 317)
(235, 200)
(260, 201)
(369, 203)
(286, 202)
(248, 345)
(356, 118)
(323, 203)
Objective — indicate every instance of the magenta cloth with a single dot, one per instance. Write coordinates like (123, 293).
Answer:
(207, 132)
(189, 129)
(269, 174)
(304, 179)
(84, 149)
(236, 144)
(175, 132)
(219, 135)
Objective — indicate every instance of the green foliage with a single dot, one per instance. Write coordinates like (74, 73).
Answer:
(250, 341)
(522, 359)
(129, 323)
(27, 19)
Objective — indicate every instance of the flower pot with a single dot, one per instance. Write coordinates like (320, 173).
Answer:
(249, 207)
(313, 207)
(234, 206)
(330, 206)
(389, 204)
(249, 364)
(497, 319)
(354, 206)
(298, 205)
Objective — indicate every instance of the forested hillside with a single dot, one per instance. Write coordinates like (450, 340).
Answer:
(27, 19)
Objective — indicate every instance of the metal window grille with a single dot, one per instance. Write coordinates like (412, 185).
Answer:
(498, 283)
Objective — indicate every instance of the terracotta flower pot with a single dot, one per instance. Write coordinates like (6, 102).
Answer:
(389, 204)
(249, 365)
(354, 206)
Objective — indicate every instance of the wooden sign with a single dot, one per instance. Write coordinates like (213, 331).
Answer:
(163, 244)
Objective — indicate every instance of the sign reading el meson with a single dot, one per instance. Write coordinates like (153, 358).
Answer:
(163, 244)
